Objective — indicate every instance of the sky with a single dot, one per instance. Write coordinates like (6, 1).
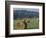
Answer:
(28, 9)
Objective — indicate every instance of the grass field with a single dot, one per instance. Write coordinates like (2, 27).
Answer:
(33, 24)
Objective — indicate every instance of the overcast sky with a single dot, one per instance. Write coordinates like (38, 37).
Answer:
(28, 9)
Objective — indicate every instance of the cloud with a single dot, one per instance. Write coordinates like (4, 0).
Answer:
(28, 9)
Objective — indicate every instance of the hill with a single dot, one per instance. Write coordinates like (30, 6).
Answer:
(25, 14)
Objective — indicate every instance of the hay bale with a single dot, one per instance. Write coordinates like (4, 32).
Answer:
(20, 25)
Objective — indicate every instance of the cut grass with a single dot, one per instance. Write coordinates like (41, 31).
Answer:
(34, 23)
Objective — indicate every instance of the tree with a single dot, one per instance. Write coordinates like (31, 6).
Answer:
(25, 23)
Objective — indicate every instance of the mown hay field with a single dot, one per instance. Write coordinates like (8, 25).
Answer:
(33, 23)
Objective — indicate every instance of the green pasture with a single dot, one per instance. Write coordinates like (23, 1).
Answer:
(33, 24)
